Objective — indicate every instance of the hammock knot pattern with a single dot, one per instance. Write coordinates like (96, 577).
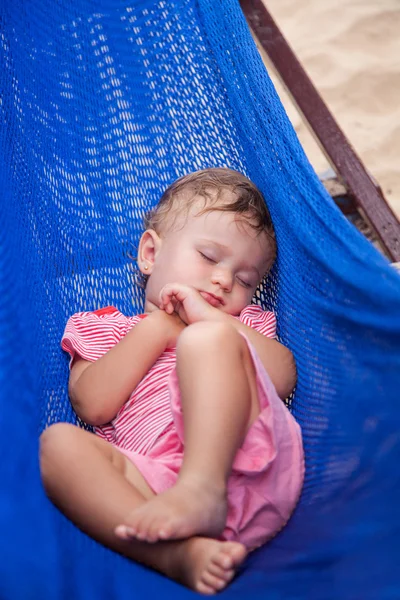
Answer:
(102, 105)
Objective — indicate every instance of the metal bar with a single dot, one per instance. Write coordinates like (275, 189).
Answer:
(337, 148)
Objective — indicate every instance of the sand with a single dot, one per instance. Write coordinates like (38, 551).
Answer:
(351, 51)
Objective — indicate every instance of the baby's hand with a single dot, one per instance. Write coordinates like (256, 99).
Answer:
(187, 302)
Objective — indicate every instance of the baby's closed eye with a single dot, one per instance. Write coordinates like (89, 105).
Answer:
(208, 257)
(244, 283)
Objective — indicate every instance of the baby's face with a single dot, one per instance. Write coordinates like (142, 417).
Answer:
(216, 253)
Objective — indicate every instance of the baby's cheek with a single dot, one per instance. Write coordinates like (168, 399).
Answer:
(236, 304)
(245, 299)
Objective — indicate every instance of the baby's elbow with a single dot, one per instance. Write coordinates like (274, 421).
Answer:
(96, 419)
(288, 381)
(87, 408)
(91, 417)
(292, 374)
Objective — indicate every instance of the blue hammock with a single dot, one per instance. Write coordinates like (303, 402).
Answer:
(103, 104)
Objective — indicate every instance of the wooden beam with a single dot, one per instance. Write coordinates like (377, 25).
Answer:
(361, 187)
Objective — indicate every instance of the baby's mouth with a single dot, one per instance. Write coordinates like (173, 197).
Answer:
(211, 299)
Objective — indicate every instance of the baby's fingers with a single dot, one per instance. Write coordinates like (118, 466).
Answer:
(165, 298)
(166, 301)
(168, 307)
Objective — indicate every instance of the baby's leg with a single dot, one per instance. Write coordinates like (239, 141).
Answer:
(96, 486)
(219, 402)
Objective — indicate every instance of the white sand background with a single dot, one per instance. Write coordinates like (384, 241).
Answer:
(351, 51)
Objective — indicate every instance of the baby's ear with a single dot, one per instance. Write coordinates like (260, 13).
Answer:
(149, 247)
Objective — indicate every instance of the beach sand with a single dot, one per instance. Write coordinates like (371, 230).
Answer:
(351, 51)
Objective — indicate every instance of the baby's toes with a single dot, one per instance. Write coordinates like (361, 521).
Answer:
(231, 555)
(204, 589)
(167, 528)
(217, 571)
(124, 532)
(211, 581)
(222, 561)
(137, 525)
(144, 531)
(155, 532)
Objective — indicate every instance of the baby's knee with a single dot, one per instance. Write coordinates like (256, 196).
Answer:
(54, 435)
(200, 336)
(54, 442)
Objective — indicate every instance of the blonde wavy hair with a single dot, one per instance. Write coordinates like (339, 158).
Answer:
(245, 200)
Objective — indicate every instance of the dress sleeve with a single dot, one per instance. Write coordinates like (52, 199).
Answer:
(91, 334)
(263, 321)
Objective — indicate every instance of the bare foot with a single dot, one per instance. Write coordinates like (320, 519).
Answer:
(183, 511)
(206, 565)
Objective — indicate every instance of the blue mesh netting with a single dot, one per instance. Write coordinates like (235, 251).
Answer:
(102, 105)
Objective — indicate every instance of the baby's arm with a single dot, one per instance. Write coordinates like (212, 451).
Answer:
(192, 307)
(98, 390)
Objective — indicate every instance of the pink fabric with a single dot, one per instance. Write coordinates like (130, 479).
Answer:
(146, 415)
(268, 470)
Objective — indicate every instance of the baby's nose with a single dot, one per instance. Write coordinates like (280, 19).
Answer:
(223, 278)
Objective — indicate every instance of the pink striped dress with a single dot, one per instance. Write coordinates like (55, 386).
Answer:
(268, 470)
